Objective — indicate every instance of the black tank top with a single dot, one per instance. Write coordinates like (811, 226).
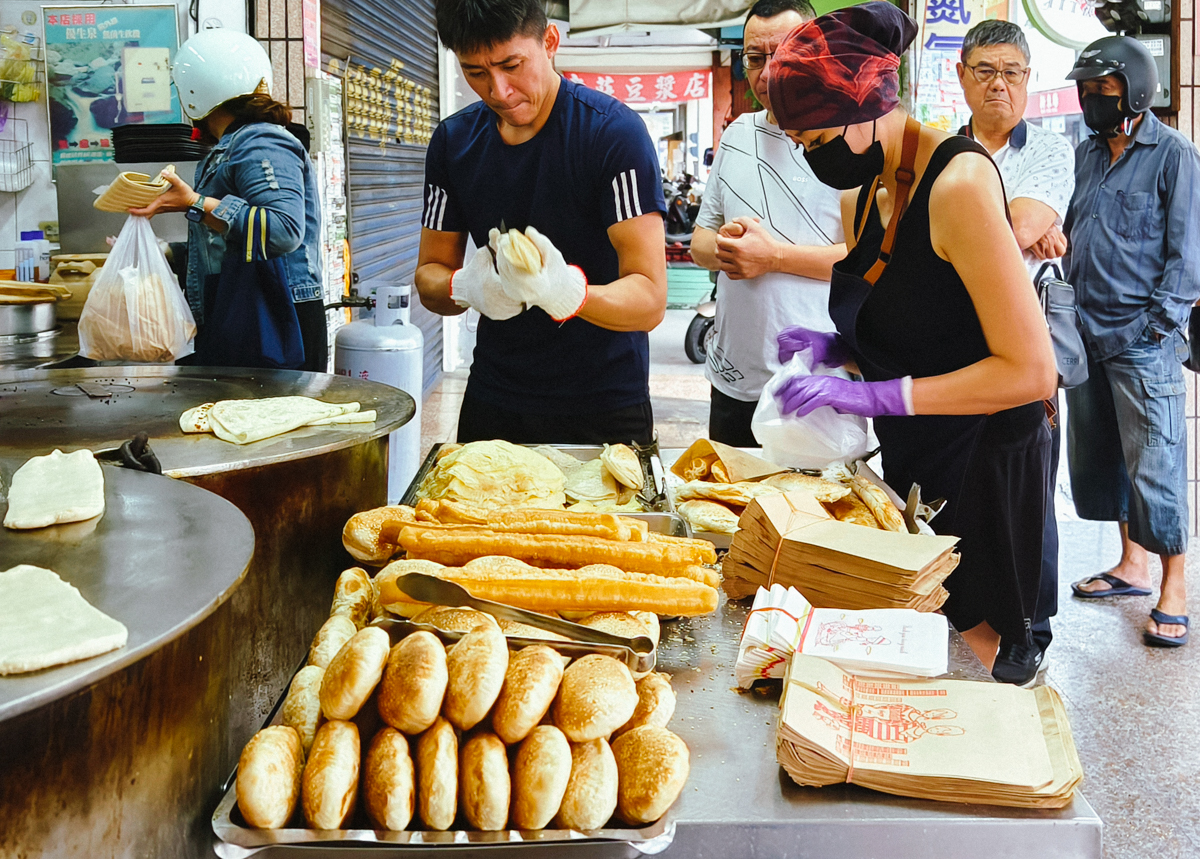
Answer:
(918, 319)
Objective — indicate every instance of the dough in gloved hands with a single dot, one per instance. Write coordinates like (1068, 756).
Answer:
(478, 285)
(557, 288)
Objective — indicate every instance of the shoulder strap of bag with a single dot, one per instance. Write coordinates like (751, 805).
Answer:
(905, 176)
(866, 213)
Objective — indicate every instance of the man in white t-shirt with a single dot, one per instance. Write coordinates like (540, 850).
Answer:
(1038, 169)
(1037, 165)
(771, 230)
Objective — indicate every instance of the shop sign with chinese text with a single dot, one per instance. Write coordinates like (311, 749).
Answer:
(107, 66)
(939, 96)
(648, 87)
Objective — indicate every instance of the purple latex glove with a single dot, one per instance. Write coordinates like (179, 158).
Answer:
(828, 348)
(803, 394)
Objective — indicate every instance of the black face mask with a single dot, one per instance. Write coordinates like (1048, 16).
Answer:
(837, 165)
(1102, 113)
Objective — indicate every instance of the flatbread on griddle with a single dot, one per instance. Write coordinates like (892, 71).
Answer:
(45, 621)
(58, 487)
(247, 421)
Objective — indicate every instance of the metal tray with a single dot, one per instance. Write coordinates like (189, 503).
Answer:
(236, 840)
(656, 500)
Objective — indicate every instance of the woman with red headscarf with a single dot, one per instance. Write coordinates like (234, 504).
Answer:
(935, 306)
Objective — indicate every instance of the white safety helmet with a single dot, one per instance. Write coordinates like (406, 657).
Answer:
(214, 66)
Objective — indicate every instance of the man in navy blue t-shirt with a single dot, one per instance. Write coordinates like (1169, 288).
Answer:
(561, 356)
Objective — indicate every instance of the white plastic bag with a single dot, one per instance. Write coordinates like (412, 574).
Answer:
(816, 440)
(136, 310)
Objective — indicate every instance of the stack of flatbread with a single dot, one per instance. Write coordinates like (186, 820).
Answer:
(717, 507)
(949, 740)
(497, 474)
(610, 483)
(791, 539)
(721, 481)
(246, 421)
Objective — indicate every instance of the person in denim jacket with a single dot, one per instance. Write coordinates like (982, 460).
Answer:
(1134, 226)
(255, 164)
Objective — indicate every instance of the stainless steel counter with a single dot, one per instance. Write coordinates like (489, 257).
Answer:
(44, 409)
(738, 802)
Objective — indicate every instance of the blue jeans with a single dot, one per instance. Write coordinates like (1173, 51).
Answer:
(1127, 442)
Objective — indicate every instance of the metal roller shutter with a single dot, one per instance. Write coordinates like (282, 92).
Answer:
(387, 53)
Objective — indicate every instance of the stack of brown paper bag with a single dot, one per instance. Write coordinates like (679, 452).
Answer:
(792, 540)
(949, 740)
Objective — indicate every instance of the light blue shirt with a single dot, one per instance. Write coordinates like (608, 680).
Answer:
(1134, 234)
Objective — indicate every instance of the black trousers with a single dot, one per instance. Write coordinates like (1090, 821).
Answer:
(480, 421)
(729, 420)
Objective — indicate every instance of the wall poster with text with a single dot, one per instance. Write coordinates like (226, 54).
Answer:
(107, 66)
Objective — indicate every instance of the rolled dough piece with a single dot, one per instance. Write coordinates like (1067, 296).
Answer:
(196, 420)
(58, 487)
(45, 621)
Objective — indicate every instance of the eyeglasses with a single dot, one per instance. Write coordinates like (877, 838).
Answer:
(754, 60)
(987, 74)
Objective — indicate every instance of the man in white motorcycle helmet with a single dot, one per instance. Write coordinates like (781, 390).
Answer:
(254, 191)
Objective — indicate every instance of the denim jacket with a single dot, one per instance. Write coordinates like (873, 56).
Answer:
(258, 165)
(1134, 231)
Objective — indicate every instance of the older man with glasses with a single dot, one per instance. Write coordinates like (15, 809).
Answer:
(1038, 168)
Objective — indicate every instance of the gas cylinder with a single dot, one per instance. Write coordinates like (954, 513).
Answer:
(388, 349)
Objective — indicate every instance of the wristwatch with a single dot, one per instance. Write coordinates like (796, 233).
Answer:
(195, 212)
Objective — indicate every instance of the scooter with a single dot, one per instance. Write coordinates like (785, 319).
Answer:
(683, 204)
(700, 329)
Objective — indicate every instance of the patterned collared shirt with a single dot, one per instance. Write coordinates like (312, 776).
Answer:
(1038, 164)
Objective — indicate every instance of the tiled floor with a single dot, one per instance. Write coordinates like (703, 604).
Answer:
(1135, 711)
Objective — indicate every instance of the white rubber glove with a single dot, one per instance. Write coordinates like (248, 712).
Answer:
(559, 289)
(477, 285)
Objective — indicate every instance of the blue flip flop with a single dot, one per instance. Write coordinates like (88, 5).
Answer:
(1116, 588)
(1155, 640)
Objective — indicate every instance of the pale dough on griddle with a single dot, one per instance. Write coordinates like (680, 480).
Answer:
(45, 621)
(58, 487)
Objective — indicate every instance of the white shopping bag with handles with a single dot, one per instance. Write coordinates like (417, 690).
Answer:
(818, 439)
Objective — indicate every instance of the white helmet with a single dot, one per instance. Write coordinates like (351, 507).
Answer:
(214, 66)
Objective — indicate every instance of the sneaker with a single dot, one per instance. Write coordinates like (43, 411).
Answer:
(1018, 664)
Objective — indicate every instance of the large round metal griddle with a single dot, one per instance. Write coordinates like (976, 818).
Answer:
(99, 408)
(161, 558)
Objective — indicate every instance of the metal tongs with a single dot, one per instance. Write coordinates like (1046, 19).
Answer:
(638, 653)
(915, 509)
